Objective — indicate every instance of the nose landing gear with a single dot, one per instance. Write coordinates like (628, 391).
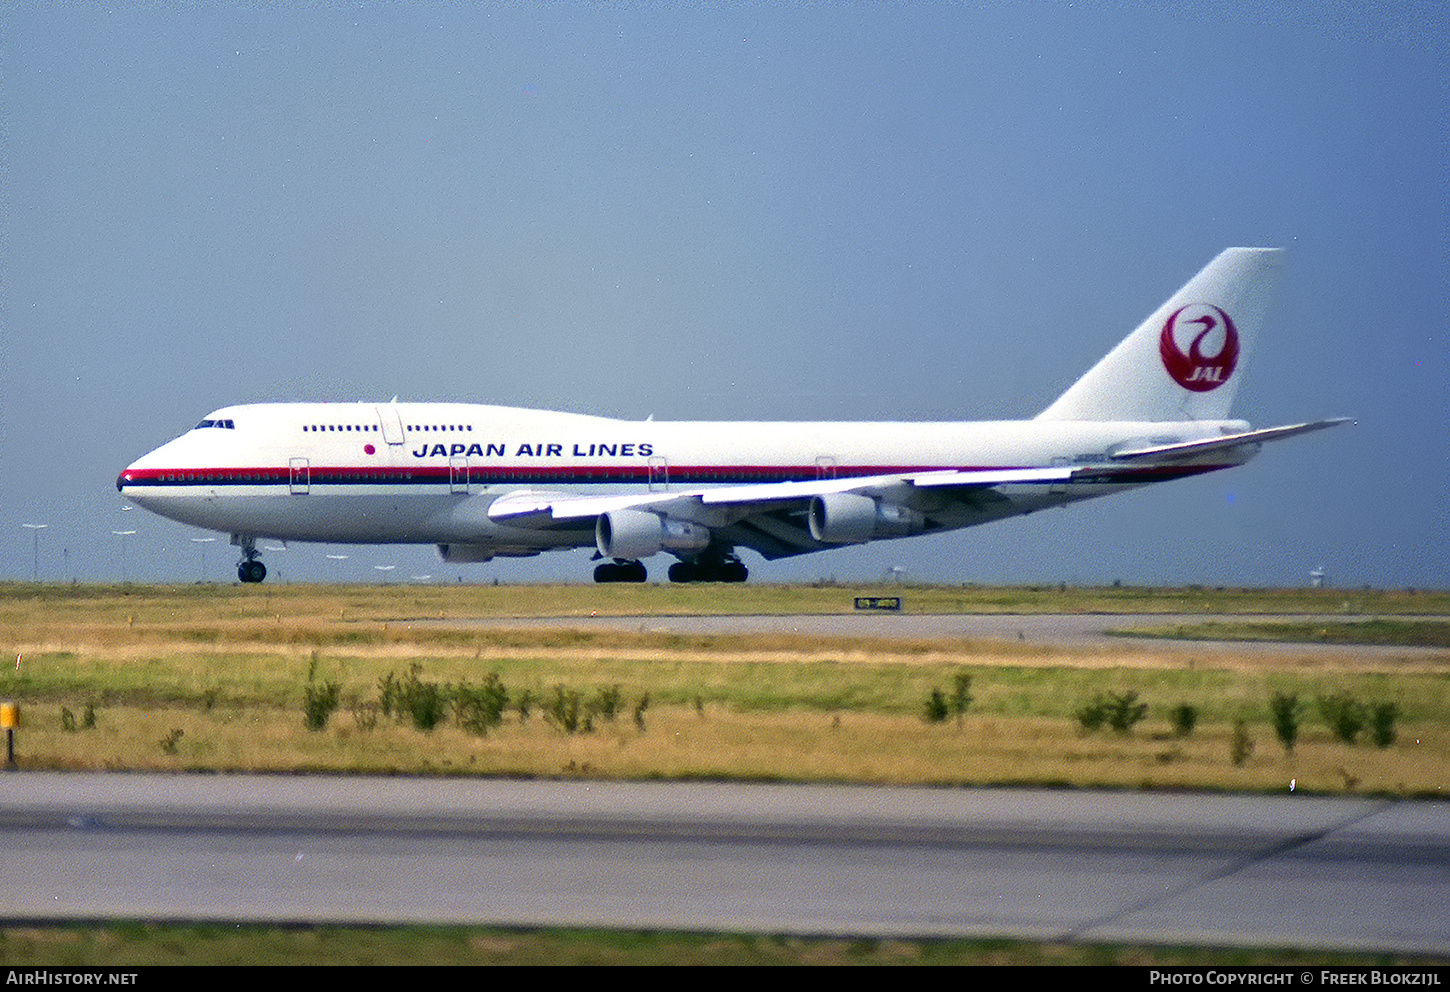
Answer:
(251, 571)
(250, 568)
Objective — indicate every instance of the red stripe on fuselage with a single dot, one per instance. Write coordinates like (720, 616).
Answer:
(589, 474)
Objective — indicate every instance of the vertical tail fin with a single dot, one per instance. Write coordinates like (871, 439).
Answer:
(1185, 361)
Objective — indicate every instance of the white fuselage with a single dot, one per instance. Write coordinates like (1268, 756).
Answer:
(427, 473)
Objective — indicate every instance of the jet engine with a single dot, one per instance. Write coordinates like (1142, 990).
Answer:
(850, 518)
(466, 553)
(634, 534)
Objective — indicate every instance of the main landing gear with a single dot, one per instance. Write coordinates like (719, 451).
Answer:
(620, 571)
(729, 569)
(250, 568)
(726, 569)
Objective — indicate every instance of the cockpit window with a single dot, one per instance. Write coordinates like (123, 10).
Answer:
(227, 424)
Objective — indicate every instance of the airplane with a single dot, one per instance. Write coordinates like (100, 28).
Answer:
(484, 482)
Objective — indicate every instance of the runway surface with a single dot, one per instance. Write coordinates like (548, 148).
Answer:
(1120, 867)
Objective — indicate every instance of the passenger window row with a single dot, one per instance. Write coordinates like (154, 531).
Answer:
(322, 428)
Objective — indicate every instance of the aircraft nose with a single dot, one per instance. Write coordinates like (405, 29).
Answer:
(132, 475)
(126, 478)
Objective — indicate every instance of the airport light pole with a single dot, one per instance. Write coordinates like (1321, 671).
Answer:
(203, 541)
(35, 530)
(123, 534)
(277, 572)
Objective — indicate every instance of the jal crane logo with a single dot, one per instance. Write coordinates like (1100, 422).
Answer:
(1213, 347)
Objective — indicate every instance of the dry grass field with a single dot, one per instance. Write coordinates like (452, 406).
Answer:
(218, 677)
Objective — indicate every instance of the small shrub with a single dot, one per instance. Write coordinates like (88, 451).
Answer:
(424, 703)
(320, 699)
(606, 702)
(1124, 711)
(1184, 717)
(170, 741)
(390, 695)
(1382, 723)
(564, 710)
(427, 705)
(478, 709)
(1284, 713)
(1119, 710)
(1241, 746)
(1092, 714)
(639, 709)
(961, 695)
(935, 709)
(87, 721)
(1343, 715)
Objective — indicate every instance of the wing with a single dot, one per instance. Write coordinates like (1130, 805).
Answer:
(771, 517)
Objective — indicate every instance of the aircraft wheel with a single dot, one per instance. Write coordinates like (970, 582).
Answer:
(621, 571)
(251, 571)
(730, 570)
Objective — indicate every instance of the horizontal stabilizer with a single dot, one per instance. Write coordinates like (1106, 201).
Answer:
(1168, 452)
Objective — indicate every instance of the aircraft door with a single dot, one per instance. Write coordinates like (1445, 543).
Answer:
(300, 477)
(659, 474)
(1058, 488)
(825, 467)
(392, 423)
(458, 474)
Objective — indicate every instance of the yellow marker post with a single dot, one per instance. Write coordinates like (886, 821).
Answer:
(9, 719)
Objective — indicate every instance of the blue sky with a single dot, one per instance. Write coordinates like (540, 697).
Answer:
(741, 211)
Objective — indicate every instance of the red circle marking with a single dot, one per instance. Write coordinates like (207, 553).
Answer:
(1194, 370)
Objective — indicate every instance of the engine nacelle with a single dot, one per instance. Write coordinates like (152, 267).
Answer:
(849, 518)
(466, 553)
(473, 554)
(634, 534)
